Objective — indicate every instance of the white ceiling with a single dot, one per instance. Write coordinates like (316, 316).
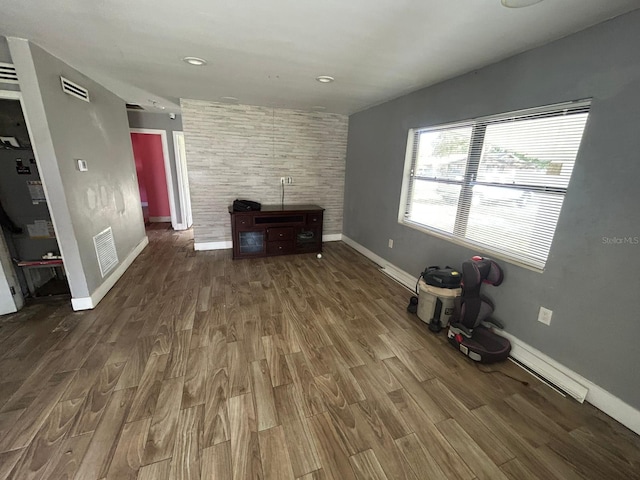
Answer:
(268, 52)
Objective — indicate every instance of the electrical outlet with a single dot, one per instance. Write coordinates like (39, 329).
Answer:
(289, 181)
(544, 316)
(390, 243)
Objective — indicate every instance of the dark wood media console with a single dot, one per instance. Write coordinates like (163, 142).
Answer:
(276, 230)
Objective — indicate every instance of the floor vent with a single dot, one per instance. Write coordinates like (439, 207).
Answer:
(8, 73)
(74, 89)
(106, 251)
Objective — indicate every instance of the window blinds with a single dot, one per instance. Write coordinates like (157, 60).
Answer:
(498, 182)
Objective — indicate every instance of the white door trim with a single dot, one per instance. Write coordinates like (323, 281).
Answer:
(185, 202)
(167, 169)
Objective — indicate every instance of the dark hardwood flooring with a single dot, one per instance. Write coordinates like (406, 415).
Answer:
(199, 367)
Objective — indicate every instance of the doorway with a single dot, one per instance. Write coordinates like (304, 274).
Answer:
(28, 246)
(155, 182)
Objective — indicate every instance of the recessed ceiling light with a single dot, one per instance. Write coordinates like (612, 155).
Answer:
(325, 79)
(519, 3)
(198, 62)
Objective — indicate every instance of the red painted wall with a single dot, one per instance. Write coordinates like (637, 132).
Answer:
(152, 181)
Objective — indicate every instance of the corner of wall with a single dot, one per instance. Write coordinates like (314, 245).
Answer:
(43, 149)
(91, 301)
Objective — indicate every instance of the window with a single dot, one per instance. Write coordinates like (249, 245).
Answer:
(495, 183)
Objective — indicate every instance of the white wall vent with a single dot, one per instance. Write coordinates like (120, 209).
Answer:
(74, 89)
(8, 73)
(106, 251)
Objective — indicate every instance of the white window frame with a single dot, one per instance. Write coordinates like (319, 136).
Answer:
(468, 183)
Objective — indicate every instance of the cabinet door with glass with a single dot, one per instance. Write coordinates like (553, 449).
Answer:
(308, 239)
(251, 242)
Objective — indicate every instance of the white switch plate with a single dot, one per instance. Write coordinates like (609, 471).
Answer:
(82, 165)
(544, 316)
(390, 243)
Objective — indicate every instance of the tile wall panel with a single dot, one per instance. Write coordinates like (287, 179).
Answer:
(241, 151)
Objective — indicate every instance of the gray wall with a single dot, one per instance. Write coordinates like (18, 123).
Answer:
(63, 129)
(241, 151)
(161, 121)
(591, 287)
(5, 57)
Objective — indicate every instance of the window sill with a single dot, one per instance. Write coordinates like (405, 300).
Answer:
(464, 243)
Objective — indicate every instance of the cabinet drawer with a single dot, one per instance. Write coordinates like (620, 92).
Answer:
(314, 218)
(274, 248)
(280, 233)
(244, 220)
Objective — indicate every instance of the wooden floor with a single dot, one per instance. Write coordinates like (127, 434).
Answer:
(197, 366)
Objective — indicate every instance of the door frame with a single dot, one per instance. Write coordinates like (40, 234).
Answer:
(183, 183)
(167, 170)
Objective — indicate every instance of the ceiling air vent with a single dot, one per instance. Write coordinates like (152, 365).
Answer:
(106, 251)
(134, 106)
(8, 73)
(74, 89)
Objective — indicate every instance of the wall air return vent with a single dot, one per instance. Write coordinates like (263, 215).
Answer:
(8, 73)
(74, 89)
(106, 251)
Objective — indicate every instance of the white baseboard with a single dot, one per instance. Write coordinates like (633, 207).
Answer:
(546, 367)
(87, 303)
(391, 270)
(400, 276)
(333, 237)
(212, 245)
(613, 406)
(571, 382)
(159, 219)
(364, 251)
(82, 303)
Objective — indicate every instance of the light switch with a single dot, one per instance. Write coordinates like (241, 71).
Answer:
(82, 165)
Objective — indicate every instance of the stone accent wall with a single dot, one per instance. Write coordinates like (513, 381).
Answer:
(241, 151)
